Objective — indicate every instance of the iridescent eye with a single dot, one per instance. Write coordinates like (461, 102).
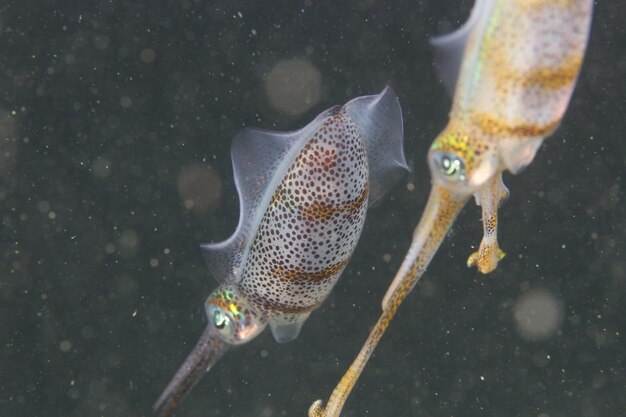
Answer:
(231, 316)
(450, 166)
(223, 323)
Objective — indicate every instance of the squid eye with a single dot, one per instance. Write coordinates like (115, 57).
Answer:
(450, 166)
(231, 317)
(223, 323)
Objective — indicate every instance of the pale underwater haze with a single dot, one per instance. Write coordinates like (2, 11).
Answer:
(116, 121)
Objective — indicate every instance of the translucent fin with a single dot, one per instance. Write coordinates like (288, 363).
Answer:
(379, 118)
(224, 257)
(284, 332)
(449, 48)
(257, 156)
(517, 154)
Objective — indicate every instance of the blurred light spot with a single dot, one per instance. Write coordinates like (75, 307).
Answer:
(154, 262)
(101, 167)
(65, 346)
(599, 381)
(73, 393)
(541, 359)
(428, 289)
(125, 285)
(52, 215)
(8, 142)
(109, 248)
(43, 206)
(147, 55)
(595, 333)
(199, 188)
(101, 42)
(86, 332)
(293, 86)
(128, 242)
(126, 101)
(538, 314)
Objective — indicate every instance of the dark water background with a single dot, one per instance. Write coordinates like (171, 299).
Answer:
(115, 125)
